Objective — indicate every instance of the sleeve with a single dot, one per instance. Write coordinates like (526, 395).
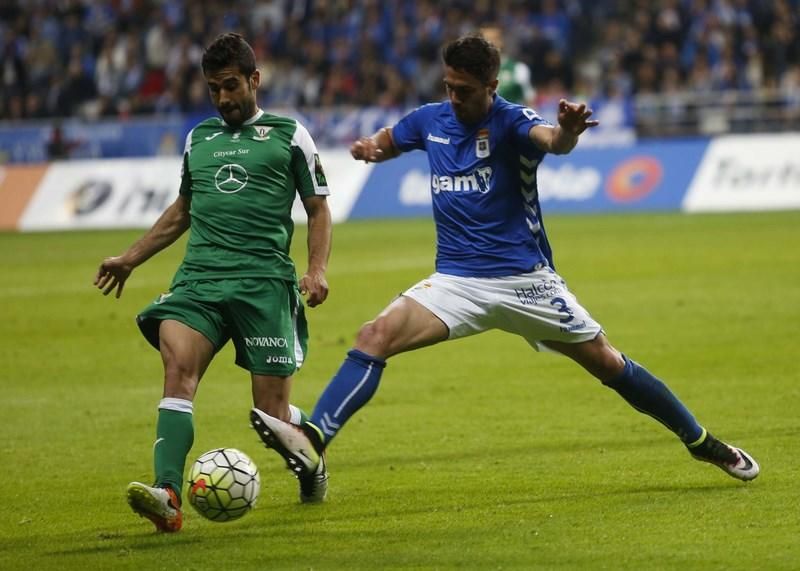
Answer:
(186, 176)
(306, 165)
(407, 133)
(521, 120)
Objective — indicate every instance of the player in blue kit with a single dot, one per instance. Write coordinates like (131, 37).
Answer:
(494, 264)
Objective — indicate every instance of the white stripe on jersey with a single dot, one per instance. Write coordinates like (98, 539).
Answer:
(302, 139)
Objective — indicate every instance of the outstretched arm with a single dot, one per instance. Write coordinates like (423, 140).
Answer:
(375, 149)
(313, 283)
(171, 224)
(573, 119)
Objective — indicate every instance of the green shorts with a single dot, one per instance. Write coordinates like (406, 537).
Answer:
(264, 318)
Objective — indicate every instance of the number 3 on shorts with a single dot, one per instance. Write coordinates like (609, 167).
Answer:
(562, 308)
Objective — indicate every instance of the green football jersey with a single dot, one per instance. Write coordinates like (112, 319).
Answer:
(242, 183)
(514, 81)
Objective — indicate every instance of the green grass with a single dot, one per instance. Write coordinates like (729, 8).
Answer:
(478, 453)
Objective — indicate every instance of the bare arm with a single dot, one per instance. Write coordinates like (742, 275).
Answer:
(171, 224)
(375, 149)
(313, 282)
(573, 119)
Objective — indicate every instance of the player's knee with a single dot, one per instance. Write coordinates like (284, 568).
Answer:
(374, 337)
(179, 381)
(602, 360)
(609, 366)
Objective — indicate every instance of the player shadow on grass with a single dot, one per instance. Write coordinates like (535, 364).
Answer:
(126, 543)
(288, 528)
(443, 451)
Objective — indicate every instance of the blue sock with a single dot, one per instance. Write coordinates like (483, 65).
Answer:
(349, 390)
(647, 394)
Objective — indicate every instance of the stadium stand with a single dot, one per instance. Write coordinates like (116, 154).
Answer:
(667, 67)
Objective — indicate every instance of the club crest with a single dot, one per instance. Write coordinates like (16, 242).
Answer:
(482, 144)
(262, 133)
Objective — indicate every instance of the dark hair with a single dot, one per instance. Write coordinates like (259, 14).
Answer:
(227, 50)
(473, 55)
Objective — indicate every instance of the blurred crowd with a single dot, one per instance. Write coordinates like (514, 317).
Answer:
(101, 58)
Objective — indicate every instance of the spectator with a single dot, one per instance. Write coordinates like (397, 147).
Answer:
(41, 59)
(58, 146)
(338, 52)
(78, 88)
(514, 76)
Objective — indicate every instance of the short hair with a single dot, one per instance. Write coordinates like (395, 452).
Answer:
(474, 55)
(227, 50)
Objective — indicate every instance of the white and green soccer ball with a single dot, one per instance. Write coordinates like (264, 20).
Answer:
(224, 484)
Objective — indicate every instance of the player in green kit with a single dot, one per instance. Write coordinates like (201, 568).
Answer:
(514, 77)
(240, 176)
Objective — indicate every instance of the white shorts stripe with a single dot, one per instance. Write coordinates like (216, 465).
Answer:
(299, 356)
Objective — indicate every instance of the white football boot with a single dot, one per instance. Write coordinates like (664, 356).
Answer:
(294, 445)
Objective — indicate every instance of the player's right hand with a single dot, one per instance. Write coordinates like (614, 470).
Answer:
(112, 274)
(314, 285)
(366, 150)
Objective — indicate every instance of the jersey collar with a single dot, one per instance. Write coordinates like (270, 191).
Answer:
(254, 118)
(251, 120)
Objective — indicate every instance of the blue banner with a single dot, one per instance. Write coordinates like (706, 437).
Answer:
(36, 142)
(647, 176)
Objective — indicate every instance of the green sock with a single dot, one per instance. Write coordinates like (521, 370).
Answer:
(297, 415)
(174, 438)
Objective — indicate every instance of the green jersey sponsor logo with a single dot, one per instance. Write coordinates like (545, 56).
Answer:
(231, 178)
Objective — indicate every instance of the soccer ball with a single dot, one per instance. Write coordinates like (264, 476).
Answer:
(223, 484)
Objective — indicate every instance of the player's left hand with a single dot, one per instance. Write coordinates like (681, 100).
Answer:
(574, 117)
(314, 286)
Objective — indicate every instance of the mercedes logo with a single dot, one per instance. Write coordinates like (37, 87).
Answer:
(230, 178)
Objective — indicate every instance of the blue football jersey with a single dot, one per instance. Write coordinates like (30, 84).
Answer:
(483, 182)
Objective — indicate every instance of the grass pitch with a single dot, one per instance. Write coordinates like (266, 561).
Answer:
(476, 454)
